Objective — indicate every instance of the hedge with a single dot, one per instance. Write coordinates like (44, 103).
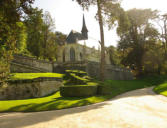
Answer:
(73, 79)
(78, 91)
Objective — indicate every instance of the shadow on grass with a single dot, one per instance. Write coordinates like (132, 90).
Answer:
(28, 119)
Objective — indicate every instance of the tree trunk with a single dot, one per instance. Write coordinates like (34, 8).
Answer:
(102, 63)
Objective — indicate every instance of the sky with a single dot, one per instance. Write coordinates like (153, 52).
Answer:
(68, 16)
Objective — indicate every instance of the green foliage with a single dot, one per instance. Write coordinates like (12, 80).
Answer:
(161, 89)
(10, 15)
(34, 24)
(60, 37)
(21, 43)
(136, 41)
(42, 42)
(114, 55)
(78, 91)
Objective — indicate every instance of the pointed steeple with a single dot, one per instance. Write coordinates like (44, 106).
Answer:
(84, 29)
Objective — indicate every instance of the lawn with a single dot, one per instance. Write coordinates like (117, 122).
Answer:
(161, 89)
(55, 101)
(17, 76)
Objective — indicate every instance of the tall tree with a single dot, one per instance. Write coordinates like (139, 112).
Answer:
(100, 4)
(21, 42)
(48, 28)
(162, 23)
(136, 39)
(34, 24)
(113, 54)
(10, 13)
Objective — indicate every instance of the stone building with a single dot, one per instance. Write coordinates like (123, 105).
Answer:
(75, 49)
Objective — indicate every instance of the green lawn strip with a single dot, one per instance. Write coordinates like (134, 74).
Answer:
(55, 101)
(161, 89)
(17, 76)
(122, 86)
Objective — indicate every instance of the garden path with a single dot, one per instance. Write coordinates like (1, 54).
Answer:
(136, 109)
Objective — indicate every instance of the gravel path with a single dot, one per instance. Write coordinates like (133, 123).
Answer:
(136, 109)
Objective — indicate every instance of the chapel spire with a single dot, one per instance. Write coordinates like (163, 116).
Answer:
(84, 29)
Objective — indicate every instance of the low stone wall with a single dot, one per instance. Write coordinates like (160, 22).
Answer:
(29, 64)
(24, 89)
(111, 72)
(22, 68)
(93, 70)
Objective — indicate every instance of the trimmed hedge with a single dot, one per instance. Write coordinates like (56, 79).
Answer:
(78, 91)
(77, 72)
(103, 90)
(73, 78)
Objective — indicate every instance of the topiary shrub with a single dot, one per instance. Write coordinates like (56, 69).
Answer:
(78, 91)
(72, 77)
(103, 90)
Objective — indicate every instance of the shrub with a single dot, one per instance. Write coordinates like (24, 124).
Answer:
(78, 91)
(72, 77)
(104, 90)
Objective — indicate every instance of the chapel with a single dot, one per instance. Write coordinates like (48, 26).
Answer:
(74, 49)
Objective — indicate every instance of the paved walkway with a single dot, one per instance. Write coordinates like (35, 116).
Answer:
(135, 109)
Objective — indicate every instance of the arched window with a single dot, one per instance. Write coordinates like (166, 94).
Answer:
(72, 54)
(81, 56)
(64, 56)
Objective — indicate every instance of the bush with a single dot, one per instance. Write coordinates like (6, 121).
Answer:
(78, 91)
(104, 90)
(73, 78)
(77, 72)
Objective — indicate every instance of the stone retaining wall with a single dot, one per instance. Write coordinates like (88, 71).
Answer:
(24, 89)
(28, 64)
(111, 72)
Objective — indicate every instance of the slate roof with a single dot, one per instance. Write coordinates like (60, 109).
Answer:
(74, 36)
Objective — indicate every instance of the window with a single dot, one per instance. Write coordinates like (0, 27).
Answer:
(64, 56)
(72, 54)
(80, 56)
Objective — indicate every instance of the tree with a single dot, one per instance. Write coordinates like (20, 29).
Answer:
(51, 52)
(21, 39)
(10, 14)
(162, 23)
(60, 38)
(136, 40)
(48, 28)
(114, 55)
(100, 4)
(34, 24)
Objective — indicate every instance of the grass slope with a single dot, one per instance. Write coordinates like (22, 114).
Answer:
(55, 101)
(33, 75)
(161, 89)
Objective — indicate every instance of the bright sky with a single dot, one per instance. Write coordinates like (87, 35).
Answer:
(68, 15)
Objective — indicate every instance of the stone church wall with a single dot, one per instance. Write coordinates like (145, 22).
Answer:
(82, 53)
